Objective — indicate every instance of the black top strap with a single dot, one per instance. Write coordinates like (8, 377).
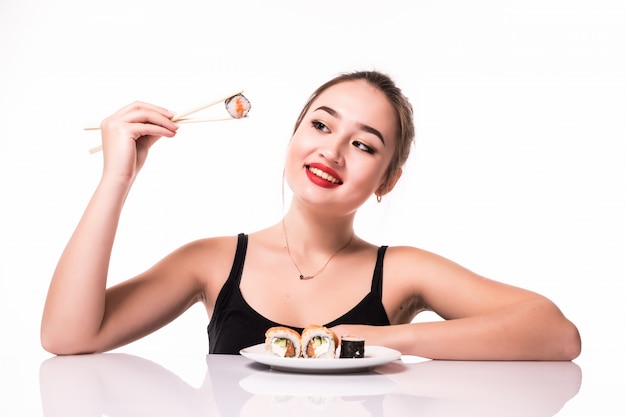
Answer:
(240, 257)
(377, 280)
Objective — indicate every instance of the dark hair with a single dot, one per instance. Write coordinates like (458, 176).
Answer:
(401, 105)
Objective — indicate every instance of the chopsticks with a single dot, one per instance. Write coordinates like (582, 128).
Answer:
(182, 116)
(179, 121)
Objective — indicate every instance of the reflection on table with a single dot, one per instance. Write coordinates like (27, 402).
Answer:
(118, 385)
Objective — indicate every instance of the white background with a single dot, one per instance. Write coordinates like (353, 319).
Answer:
(519, 168)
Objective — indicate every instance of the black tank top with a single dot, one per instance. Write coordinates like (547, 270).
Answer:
(236, 325)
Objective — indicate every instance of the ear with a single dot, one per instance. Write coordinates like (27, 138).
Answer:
(389, 183)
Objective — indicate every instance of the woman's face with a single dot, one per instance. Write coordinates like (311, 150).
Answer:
(339, 154)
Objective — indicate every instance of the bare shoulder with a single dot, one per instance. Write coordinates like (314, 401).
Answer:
(415, 264)
(210, 247)
(208, 260)
(445, 286)
(410, 273)
(425, 270)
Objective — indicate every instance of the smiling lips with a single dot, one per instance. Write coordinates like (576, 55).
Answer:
(323, 176)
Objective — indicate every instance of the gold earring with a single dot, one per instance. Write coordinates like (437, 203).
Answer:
(379, 198)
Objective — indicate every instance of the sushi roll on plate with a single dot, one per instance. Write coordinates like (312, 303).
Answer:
(282, 341)
(319, 342)
(352, 347)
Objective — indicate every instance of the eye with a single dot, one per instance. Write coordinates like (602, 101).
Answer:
(360, 145)
(320, 126)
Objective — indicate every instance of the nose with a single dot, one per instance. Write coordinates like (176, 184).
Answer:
(333, 150)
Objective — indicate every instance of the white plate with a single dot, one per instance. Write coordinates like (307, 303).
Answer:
(374, 356)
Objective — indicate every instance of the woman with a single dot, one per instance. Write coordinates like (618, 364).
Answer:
(349, 143)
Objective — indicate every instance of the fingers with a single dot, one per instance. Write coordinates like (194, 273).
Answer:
(143, 119)
(128, 134)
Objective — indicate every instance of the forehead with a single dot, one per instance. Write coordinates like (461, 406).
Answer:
(360, 102)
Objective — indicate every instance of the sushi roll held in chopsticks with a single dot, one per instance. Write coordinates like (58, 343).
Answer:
(238, 106)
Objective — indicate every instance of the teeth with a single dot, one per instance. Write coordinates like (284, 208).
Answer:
(324, 175)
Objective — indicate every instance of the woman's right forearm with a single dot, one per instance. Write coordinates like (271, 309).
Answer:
(76, 298)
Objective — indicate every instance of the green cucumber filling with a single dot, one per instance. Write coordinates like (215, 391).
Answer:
(318, 341)
(281, 341)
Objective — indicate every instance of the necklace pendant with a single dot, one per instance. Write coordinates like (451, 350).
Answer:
(307, 277)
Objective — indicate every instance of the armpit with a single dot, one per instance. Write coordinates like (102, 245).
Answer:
(407, 310)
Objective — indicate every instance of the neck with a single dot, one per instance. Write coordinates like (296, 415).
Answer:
(311, 233)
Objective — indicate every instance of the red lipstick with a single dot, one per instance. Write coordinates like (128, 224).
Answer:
(323, 176)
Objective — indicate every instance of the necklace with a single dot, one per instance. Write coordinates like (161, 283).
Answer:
(306, 277)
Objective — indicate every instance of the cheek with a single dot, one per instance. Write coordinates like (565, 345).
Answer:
(369, 179)
(290, 165)
(297, 151)
(380, 177)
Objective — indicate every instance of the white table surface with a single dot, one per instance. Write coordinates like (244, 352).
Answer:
(119, 384)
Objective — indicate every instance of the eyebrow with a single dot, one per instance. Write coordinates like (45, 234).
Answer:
(362, 126)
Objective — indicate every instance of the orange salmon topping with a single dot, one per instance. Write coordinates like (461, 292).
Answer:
(239, 107)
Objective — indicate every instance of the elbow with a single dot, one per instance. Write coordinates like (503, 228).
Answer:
(557, 338)
(54, 345)
(58, 344)
(562, 341)
(571, 344)
(49, 341)
(61, 349)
